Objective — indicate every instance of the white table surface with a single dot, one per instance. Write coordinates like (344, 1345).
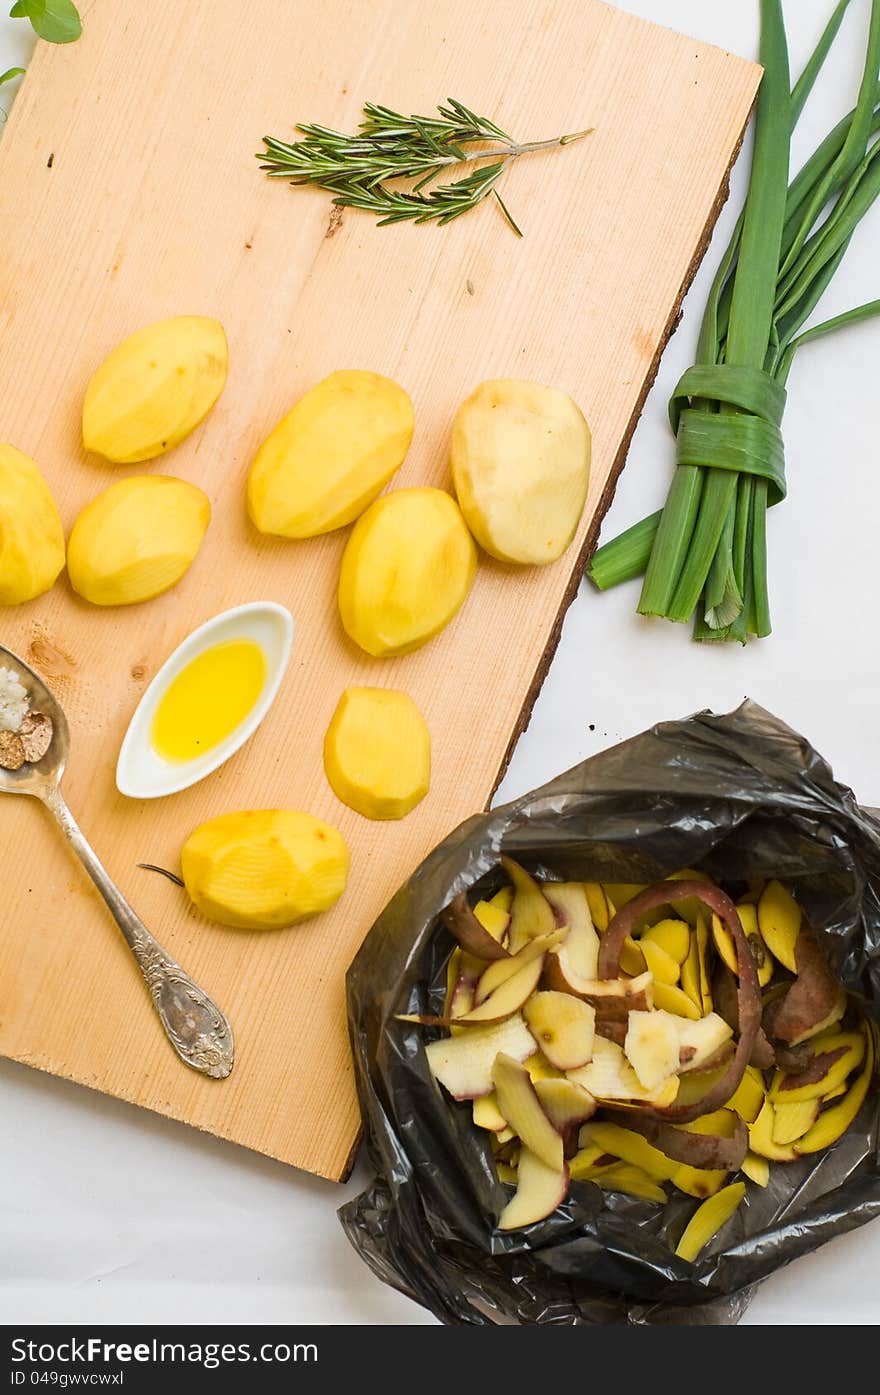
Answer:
(108, 1213)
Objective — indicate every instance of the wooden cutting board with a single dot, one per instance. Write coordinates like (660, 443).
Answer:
(131, 192)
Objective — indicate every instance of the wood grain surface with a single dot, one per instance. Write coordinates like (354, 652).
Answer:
(131, 192)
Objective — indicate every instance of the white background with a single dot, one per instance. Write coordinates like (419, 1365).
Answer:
(108, 1213)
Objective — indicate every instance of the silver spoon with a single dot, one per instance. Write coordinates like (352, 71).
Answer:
(196, 1028)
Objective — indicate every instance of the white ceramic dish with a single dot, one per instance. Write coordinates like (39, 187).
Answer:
(141, 773)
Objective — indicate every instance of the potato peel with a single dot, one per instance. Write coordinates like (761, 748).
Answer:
(694, 1120)
(461, 922)
(824, 1072)
(701, 1150)
(708, 1219)
(748, 992)
(832, 1123)
(623, 1177)
(812, 1000)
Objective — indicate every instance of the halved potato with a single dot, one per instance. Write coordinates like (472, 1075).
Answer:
(264, 868)
(31, 534)
(377, 753)
(406, 571)
(136, 539)
(521, 465)
(154, 388)
(331, 456)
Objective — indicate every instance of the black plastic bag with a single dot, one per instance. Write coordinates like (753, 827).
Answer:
(738, 796)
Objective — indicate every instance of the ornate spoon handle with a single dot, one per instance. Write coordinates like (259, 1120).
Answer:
(196, 1028)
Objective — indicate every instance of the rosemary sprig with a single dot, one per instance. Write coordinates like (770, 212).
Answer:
(357, 170)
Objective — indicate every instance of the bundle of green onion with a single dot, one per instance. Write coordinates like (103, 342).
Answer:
(705, 553)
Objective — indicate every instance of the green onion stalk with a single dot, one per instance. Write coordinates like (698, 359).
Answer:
(704, 555)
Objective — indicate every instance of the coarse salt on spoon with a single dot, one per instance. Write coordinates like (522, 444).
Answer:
(195, 1026)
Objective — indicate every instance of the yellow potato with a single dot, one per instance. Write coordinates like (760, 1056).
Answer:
(155, 388)
(264, 869)
(136, 539)
(31, 535)
(377, 753)
(521, 465)
(406, 571)
(331, 456)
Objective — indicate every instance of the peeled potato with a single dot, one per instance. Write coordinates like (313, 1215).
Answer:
(406, 571)
(31, 535)
(331, 456)
(521, 465)
(264, 869)
(155, 388)
(136, 539)
(377, 753)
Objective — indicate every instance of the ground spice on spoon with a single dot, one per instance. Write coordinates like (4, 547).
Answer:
(25, 736)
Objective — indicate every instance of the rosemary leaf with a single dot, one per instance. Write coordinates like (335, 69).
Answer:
(360, 170)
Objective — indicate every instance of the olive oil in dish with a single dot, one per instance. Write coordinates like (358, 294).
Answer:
(208, 699)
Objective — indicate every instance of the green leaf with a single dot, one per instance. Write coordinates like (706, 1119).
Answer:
(507, 213)
(10, 74)
(57, 21)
